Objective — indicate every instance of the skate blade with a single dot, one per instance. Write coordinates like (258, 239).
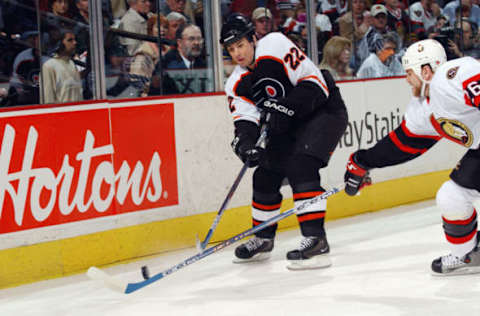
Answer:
(317, 262)
(460, 271)
(262, 256)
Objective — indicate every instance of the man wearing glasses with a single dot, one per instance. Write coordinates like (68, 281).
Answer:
(188, 54)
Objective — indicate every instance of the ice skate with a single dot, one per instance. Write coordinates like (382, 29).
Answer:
(312, 254)
(453, 265)
(256, 249)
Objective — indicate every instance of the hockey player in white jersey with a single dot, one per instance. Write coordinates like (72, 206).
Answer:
(445, 104)
(307, 117)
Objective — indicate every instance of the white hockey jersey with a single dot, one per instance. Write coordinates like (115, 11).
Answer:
(453, 108)
(280, 66)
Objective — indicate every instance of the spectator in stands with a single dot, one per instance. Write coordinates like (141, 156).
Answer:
(189, 49)
(355, 23)
(82, 32)
(382, 62)
(119, 8)
(468, 10)
(398, 21)
(175, 20)
(184, 7)
(60, 7)
(24, 84)
(145, 59)
(134, 21)
(468, 38)
(423, 15)
(336, 57)
(374, 32)
(60, 78)
(285, 10)
(332, 8)
(262, 21)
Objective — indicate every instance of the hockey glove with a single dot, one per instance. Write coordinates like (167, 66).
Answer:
(280, 117)
(356, 176)
(245, 149)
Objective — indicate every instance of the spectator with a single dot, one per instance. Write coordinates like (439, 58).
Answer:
(184, 7)
(262, 21)
(382, 62)
(286, 10)
(175, 20)
(423, 15)
(145, 59)
(189, 49)
(355, 23)
(119, 8)
(398, 21)
(330, 9)
(81, 29)
(468, 38)
(24, 84)
(336, 57)
(468, 9)
(374, 32)
(135, 21)
(54, 23)
(60, 7)
(60, 78)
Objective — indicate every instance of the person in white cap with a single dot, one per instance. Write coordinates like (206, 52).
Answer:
(445, 104)
(374, 32)
(262, 21)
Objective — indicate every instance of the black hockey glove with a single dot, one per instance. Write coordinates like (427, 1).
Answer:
(277, 116)
(356, 176)
(245, 149)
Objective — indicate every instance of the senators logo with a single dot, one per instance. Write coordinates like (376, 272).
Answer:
(452, 72)
(456, 131)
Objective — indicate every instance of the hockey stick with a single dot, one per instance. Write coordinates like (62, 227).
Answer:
(201, 245)
(127, 288)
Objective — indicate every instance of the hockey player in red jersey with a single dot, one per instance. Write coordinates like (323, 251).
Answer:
(445, 104)
(307, 117)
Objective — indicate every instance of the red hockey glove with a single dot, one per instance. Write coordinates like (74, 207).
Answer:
(356, 176)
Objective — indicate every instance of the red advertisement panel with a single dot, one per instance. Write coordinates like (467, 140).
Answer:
(65, 167)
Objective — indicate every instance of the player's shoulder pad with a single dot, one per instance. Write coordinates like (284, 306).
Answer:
(273, 44)
(456, 70)
(234, 78)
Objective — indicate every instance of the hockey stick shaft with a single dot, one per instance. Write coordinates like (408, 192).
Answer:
(132, 287)
(240, 175)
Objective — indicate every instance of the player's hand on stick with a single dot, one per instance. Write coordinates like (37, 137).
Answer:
(356, 176)
(245, 149)
(277, 116)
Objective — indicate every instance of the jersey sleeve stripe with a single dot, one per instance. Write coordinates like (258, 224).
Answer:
(235, 86)
(403, 147)
(411, 134)
(322, 85)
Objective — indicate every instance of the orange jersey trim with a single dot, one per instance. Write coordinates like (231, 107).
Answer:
(319, 81)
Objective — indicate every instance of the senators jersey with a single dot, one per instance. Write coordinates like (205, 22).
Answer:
(455, 101)
(283, 72)
(451, 112)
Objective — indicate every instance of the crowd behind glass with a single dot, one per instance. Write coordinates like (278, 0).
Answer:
(163, 47)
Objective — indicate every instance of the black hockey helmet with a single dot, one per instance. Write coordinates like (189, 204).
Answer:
(235, 28)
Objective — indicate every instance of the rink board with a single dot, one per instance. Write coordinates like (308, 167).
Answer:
(147, 175)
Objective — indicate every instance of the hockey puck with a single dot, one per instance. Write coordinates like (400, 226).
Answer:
(145, 273)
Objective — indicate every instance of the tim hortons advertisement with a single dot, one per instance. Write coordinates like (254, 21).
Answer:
(65, 167)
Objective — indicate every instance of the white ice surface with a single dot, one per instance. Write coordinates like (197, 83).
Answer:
(381, 266)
